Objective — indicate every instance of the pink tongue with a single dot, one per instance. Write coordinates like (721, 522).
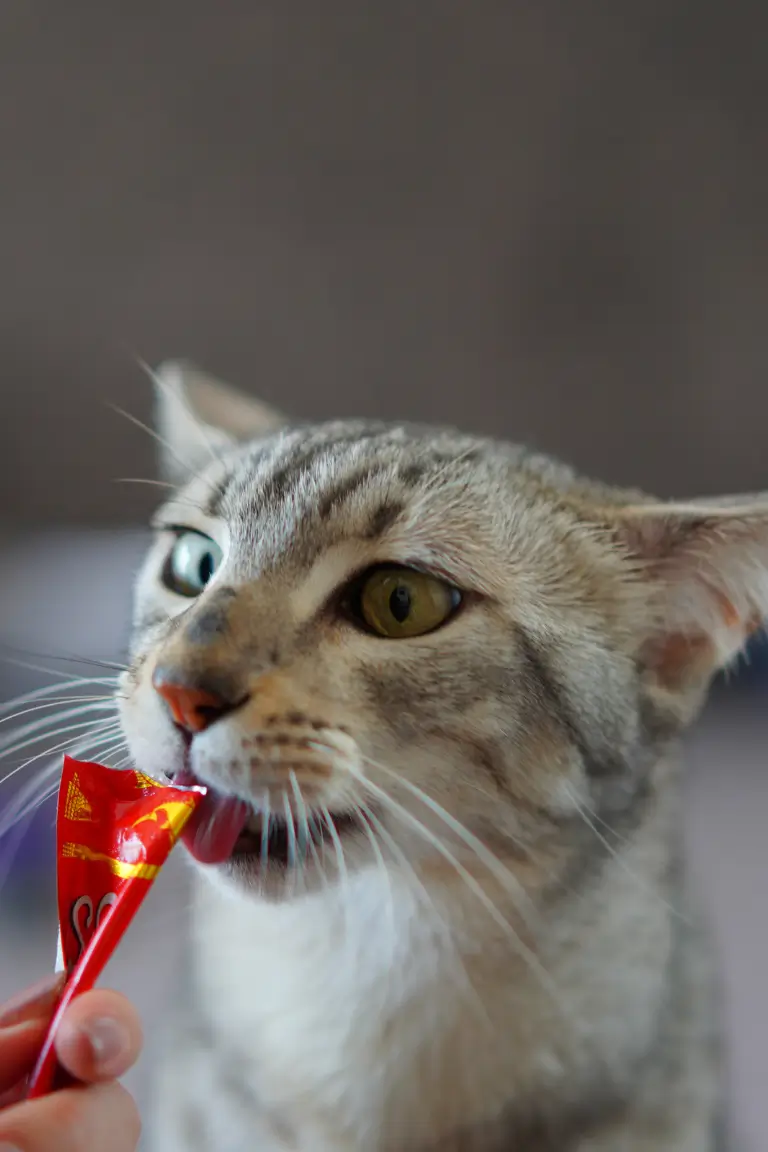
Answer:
(211, 833)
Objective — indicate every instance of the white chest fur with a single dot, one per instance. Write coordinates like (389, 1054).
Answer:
(356, 1026)
(351, 1016)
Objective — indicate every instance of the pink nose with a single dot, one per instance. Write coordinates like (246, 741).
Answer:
(192, 708)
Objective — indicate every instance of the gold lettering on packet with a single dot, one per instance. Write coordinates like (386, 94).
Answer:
(144, 781)
(120, 868)
(76, 806)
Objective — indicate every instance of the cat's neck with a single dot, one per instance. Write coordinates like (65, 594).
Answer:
(384, 991)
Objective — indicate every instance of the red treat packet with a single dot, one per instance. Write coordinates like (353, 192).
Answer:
(115, 830)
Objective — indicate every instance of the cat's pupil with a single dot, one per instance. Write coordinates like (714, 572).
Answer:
(206, 568)
(400, 604)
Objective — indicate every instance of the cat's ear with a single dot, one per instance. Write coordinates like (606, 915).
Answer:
(701, 570)
(197, 415)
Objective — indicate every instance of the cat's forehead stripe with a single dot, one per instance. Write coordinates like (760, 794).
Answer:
(337, 468)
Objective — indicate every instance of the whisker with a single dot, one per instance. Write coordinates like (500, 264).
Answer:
(46, 693)
(181, 399)
(32, 805)
(77, 744)
(523, 950)
(113, 749)
(341, 866)
(291, 831)
(317, 829)
(60, 673)
(439, 923)
(68, 658)
(265, 822)
(12, 749)
(144, 480)
(159, 439)
(506, 878)
(641, 883)
(176, 498)
(384, 871)
(305, 837)
(15, 739)
(95, 730)
(54, 703)
(405, 863)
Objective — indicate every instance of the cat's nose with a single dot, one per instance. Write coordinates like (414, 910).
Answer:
(193, 707)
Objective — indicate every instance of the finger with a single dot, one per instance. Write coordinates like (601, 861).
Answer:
(19, 1048)
(34, 1002)
(103, 1116)
(99, 1037)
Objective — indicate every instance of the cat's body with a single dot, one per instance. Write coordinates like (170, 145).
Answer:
(491, 946)
(336, 1055)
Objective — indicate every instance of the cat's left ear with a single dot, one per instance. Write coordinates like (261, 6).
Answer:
(701, 571)
(196, 414)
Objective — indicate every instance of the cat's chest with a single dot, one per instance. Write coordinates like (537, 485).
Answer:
(349, 1035)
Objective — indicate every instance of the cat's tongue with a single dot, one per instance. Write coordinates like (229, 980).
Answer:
(212, 831)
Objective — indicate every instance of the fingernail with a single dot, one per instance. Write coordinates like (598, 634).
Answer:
(108, 1040)
(4, 1147)
(40, 998)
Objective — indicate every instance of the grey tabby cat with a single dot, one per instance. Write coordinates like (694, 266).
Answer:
(436, 685)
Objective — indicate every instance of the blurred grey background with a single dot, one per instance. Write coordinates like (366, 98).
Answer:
(545, 220)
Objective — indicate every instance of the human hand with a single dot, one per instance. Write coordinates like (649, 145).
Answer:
(99, 1038)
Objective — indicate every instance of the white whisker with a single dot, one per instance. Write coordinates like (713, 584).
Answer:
(71, 740)
(291, 833)
(585, 813)
(265, 820)
(384, 872)
(406, 866)
(508, 881)
(104, 700)
(29, 733)
(523, 950)
(26, 798)
(159, 439)
(180, 398)
(305, 836)
(112, 750)
(445, 935)
(341, 870)
(70, 681)
(12, 749)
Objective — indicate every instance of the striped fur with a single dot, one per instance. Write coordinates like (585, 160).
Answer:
(510, 962)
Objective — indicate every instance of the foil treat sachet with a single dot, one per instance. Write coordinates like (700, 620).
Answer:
(115, 830)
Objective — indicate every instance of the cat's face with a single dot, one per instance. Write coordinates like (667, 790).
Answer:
(386, 641)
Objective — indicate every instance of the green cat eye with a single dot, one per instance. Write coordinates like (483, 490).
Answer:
(191, 564)
(398, 603)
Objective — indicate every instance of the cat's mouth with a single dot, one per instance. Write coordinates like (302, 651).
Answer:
(227, 829)
(273, 840)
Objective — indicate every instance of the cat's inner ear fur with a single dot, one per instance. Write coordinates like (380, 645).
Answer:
(197, 416)
(702, 574)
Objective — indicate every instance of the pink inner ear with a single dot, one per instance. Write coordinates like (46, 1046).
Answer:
(733, 619)
(682, 655)
(676, 658)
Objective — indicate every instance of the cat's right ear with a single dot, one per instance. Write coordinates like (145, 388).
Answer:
(197, 415)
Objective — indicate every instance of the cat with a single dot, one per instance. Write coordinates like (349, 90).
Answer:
(436, 684)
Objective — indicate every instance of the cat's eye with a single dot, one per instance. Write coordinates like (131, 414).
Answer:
(191, 564)
(397, 603)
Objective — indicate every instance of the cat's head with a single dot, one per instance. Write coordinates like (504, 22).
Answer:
(393, 642)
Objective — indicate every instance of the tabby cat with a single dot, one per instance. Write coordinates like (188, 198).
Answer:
(435, 684)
